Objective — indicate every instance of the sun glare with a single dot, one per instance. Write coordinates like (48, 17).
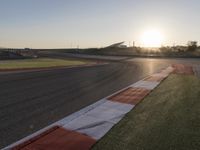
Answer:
(152, 38)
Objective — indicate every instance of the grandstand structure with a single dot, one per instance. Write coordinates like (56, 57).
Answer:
(117, 45)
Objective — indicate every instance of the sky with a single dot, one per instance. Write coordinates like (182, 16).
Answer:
(95, 23)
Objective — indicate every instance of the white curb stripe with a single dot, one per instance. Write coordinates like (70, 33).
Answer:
(80, 112)
(164, 75)
(98, 121)
(146, 84)
(168, 70)
(91, 126)
(196, 69)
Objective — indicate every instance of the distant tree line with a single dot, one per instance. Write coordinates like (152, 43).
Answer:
(191, 47)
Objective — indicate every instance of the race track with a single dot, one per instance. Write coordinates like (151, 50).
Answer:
(30, 101)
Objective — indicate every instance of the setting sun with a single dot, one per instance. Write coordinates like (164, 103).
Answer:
(152, 38)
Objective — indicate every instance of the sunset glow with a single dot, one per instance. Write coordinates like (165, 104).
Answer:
(152, 38)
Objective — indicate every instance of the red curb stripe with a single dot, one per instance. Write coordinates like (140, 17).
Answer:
(58, 138)
(183, 69)
(130, 95)
(29, 141)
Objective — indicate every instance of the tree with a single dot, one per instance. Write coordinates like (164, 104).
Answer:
(192, 45)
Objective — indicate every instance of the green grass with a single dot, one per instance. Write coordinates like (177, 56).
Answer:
(38, 63)
(168, 119)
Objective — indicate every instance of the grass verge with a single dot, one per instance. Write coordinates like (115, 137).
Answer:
(167, 119)
(38, 63)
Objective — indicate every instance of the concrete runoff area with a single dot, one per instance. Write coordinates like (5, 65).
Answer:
(167, 119)
(33, 100)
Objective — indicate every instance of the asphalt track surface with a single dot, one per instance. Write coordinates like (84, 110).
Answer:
(30, 101)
